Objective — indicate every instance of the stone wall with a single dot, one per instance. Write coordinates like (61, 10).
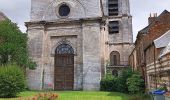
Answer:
(91, 56)
(86, 30)
(43, 40)
(47, 9)
(35, 45)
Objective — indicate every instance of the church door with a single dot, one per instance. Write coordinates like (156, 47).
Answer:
(64, 67)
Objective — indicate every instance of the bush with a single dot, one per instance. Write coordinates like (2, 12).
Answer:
(135, 84)
(119, 84)
(12, 80)
(122, 80)
(108, 83)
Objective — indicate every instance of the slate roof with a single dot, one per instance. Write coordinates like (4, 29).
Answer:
(163, 42)
(166, 50)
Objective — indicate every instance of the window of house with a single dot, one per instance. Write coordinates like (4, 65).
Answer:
(113, 7)
(114, 58)
(113, 27)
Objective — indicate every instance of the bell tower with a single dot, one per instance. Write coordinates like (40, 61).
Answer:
(119, 37)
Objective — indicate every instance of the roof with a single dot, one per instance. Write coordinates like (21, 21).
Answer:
(145, 30)
(162, 41)
(165, 51)
(2, 16)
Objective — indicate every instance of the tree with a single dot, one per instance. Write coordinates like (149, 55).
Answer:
(13, 45)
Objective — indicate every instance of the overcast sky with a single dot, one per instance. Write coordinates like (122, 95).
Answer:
(19, 11)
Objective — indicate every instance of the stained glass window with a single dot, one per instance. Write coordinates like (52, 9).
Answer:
(64, 49)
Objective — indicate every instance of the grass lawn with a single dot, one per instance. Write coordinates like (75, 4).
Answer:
(78, 95)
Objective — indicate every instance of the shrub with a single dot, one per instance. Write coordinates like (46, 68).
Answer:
(135, 84)
(122, 80)
(108, 83)
(12, 80)
(117, 84)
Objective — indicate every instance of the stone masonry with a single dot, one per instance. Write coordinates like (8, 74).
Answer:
(85, 29)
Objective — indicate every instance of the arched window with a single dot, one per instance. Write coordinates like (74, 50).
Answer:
(114, 58)
(115, 73)
(113, 7)
(64, 49)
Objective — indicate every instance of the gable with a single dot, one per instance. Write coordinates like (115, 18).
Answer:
(48, 10)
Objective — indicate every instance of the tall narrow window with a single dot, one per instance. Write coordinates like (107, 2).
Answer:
(114, 58)
(113, 7)
(113, 27)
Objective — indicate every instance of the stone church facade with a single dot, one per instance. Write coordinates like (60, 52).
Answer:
(72, 42)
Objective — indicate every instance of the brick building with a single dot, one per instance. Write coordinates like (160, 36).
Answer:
(145, 52)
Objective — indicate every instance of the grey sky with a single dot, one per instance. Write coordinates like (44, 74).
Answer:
(19, 11)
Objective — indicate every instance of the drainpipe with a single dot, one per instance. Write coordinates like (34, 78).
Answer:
(155, 69)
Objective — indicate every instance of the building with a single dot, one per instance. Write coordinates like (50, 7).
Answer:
(72, 42)
(2, 16)
(147, 54)
(159, 71)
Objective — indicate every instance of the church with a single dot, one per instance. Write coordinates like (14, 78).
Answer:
(73, 42)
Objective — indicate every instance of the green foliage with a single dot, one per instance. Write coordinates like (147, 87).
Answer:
(13, 45)
(119, 84)
(135, 84)
(122, 80)
(12, 80)
(108, 83)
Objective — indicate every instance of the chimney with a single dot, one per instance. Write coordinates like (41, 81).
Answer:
(152, 17)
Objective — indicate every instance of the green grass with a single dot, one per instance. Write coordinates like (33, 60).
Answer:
(78, 95)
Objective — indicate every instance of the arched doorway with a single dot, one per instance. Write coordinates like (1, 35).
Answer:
(64, 67)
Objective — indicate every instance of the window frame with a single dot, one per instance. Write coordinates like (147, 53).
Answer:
(113, 27)
(113, 10)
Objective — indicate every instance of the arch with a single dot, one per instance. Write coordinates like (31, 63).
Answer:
(57, 2)
(64, 49)
(114, 58)
(115, 73)
(63, 41)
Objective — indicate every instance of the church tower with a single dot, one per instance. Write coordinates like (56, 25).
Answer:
(119, 37)
(72, 41)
